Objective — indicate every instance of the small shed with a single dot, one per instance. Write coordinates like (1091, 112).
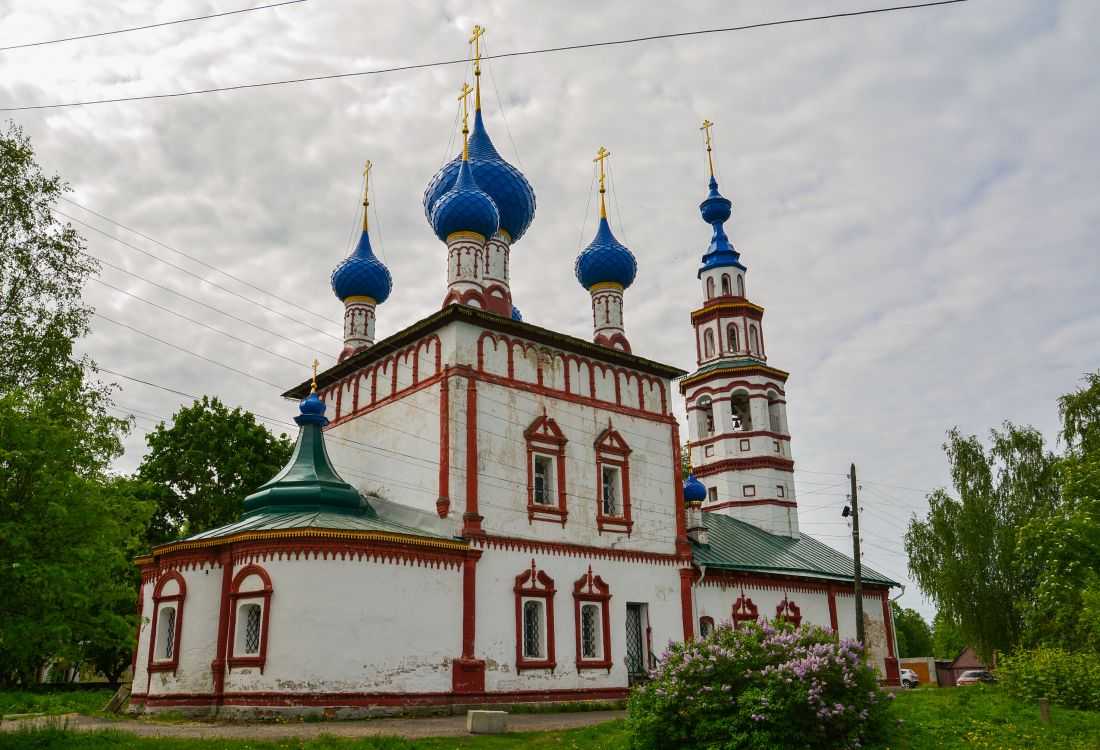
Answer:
(947, 672)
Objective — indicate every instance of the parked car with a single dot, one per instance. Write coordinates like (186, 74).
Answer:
(974, 676)
(909, 678)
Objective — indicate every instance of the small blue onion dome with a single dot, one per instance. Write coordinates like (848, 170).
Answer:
(605, 259)
(361, 274)
(465, 208)
(694, 490)
(506, 185)
(312, 410)
(715, 210)
(516, 314)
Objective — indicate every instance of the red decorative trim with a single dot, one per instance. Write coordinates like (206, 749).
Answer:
(443, 503)
(888, 623)
(731, 372)
(235, 595)
(527, 587)
(833, 621)
(683, 546)
(614, 341)
(744, 610)
(471, 519)
(749, 503)
(375, 550)
(593, 589)
(564, 549)
(731, 579)
(612, 450)
(468, 672)
(172, 663)
(687, 608)
(218, 667)
(788, 611)
(357, 700)
(735, 435)
(545, 437)
(741, 464)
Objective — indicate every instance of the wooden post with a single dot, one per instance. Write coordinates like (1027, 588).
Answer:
(1044, 710)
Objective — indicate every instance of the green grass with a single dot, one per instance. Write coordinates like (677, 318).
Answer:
(977, 717)
(53, 702)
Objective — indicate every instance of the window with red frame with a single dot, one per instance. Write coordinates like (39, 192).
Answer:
(166, 628)
(534, 592)
(744, 610)
(788, 611)
(250, 596)
(613, 482)
(592, 618)
(545, 471)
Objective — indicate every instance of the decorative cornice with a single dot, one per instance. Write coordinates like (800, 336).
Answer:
(709, 372)
(740, 464)
(579, 550)
(309, 533)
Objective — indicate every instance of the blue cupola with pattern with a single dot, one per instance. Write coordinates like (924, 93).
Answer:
(715, 210)
(465, 208)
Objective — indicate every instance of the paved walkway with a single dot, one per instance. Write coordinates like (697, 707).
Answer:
(433, 726)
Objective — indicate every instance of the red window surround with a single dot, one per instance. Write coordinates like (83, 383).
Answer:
(235, 597)
(546, 438)
(592, 589)
(788, 611)
(535, 584)
(612, 450)
(167, 665)
(744, 610)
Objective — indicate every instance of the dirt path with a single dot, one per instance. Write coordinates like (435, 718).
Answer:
(435, 726)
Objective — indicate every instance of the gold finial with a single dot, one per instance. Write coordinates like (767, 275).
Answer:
(366, 192)
(707, 125)
(475, 39)
(465, 121)
(602, 154)
(313, 385)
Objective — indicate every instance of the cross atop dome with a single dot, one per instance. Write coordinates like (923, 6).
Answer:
(715, 210)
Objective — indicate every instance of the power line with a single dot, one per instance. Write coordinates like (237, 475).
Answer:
(148, 26)
(201, 262)
(463, 61)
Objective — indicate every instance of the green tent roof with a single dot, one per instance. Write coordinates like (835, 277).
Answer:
(736, 545)
(313, 519)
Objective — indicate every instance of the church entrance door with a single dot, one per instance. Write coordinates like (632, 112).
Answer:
(637, 642)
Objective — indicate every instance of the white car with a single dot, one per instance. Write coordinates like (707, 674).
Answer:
(909, 678)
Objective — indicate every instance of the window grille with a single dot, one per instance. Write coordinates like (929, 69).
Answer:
(590, 631)
(532, 630)
(610, 491)
(543, 489)
(168, 631)
(252, 614)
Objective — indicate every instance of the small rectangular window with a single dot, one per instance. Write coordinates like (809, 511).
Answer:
(532, 629)
(712, 494)
(248, 625)
(780, 490)
(748, 490)
(591, 640)
(166, 635)
(744, 445)
(544, 480)
(778, 449)
(611, 493)
(708, 451)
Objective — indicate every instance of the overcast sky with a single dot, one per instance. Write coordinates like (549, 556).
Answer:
(915, 196)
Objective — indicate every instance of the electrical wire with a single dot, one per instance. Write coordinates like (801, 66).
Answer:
(502, 55)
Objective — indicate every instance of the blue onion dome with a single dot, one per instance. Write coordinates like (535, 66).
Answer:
(361, 274)
(465, 208)
(505, 184)
(516, 314)
(605, 259)
(312, 410)
(694, 490)
(715, 210)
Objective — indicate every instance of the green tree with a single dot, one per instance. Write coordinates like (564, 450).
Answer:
(965, 554)
(202, 467)
(914, 637)
(42, 272)
(947, 638)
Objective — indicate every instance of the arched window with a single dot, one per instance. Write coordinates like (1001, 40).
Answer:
(250, 593)
(788, 611)
(740, 285)
(167, 624)
(731, 337)
(741, 411)
(744, 610)
(775, 413)
(726, 285)
(591, 601)
(708, 343)
(706, 412)
(710, 287)
(754, 340)
(534, 592)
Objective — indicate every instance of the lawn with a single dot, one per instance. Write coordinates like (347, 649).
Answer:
(978, 717)
(53, 701)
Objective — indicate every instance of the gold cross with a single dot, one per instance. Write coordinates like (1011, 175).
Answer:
(602, 154)
(313, 386)
(366, 192)
(479, 31)
(465, 120)
(707, 125)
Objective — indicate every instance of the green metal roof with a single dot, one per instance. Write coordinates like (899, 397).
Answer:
(736, 545)
(313, 519)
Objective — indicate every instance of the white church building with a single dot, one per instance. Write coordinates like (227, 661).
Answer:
(480, 510)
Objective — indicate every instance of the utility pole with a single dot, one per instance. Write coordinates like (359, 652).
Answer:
(858, 587)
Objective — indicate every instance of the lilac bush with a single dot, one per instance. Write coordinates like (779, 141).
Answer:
(760, 686)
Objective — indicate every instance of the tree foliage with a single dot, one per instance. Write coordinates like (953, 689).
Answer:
(200, 469)
(947, 639)
(914, 637)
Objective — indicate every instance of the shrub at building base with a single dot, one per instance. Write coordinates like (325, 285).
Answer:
(760, 686)
(1064, 677)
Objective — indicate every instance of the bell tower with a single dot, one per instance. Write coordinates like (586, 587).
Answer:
(736, 403)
